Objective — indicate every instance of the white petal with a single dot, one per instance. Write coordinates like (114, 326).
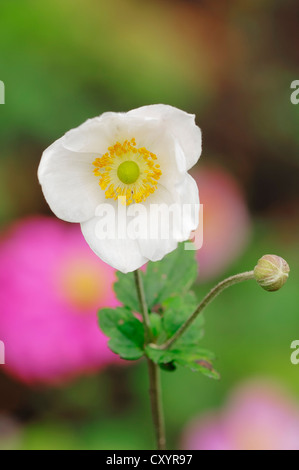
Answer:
(95, 135)
(189, 195)
(155, 250)
(180, 124)
(127, 254)
(68, 183)
(184, 201)
(122, 254)
(155, 246)
(169, 154)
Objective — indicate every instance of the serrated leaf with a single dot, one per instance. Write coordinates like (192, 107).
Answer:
(191, 353)
(177, 311)
(125, 290)
(125, 331)
(194, 358)
(198, 360)
(172, 276)
(157, 355)
(201, 365)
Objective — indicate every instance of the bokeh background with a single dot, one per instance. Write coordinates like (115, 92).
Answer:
(230, 62)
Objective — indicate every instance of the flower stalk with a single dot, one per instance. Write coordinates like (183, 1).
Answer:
(153, 370)
(156, 403)
(230, 281)
(143, 305)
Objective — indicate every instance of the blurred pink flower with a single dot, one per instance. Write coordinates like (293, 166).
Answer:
(226, 223)
(51, 287)
(258, 416)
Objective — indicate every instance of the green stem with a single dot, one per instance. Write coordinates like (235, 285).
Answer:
(143, 304)
(208, 298)
(153, 370)
(156, 403)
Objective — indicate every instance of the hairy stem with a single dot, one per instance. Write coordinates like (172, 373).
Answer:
(156, 404)
(153, 370)
(143, 305)
(230, 281)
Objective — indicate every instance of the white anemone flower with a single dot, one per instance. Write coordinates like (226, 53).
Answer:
(142, 157)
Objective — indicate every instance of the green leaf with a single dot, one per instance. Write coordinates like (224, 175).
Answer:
(198, 360)
(172, 276)
(156, 324)
(191, 356)
(125, 331)
(158, 356)
(177, 311)
(201, 365)
(125, 290)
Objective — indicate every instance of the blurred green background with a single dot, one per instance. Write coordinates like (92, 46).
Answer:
(229, 62)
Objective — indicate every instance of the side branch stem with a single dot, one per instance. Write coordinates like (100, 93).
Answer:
(207, 299)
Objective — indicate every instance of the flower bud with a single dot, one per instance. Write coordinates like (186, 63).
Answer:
(271, 272)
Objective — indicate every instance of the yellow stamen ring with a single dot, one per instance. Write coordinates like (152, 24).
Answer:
(127, 171)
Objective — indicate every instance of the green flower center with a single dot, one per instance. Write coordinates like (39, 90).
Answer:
(128, 172)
